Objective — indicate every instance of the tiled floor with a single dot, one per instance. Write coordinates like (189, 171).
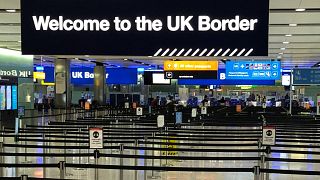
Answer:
(73, 173)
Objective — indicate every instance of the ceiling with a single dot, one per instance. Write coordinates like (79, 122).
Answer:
(303, 49)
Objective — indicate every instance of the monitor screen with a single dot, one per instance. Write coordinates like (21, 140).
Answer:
(8, 98)
(2, 97)
(158, 78)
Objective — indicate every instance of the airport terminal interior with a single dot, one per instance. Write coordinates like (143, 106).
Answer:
(160, 90)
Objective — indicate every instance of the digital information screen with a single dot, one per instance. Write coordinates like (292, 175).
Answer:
(8, 98)
(306, 76)
(254, 70)
(2, 97)
(159, 79)
(14, 97)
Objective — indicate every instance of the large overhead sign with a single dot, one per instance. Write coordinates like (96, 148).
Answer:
(223, 81)
(85, 75)
(191, 69)
(309, 76)
(145, 28)
(254, 70)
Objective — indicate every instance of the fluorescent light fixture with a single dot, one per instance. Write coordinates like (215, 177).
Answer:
(283, 49)
(86, 55)
(11, 10)
(293, 25)
(279, 57)
(125, 59)
(288, 35)
(280, 53)
(300, 10)
(286, 42)
(19, 41)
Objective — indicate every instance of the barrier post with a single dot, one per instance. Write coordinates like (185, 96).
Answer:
(152, 172)
(268, 152)
(96, 161)
(145, 159)
(263, 161)
(44, 157)
(256, 172)
(62, 167)
(259, 153)
(121, 161)
(1, 159)
(136, 143)
(65, 145)
(24, 177)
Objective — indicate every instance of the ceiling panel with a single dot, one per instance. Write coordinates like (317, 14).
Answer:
(292, 4)
(9, 4)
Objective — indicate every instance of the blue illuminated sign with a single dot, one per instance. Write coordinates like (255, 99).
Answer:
(309, 76)
(39, 68)
(253, 70)
(14, 97)
(85, 75)
(223, 81)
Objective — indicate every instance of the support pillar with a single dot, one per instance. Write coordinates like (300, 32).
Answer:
(62, 83)
(99, 88)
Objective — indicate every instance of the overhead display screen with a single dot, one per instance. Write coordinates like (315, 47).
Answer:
(155, 78)
(145, 28)
(254, 70)
(309, 76)
(159, 79)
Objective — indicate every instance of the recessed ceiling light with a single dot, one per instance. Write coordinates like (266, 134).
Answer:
(125, 59)
(142, 63)
(280, 53)
(150, 56)
(19, 41)
(288, 35)
(283, 49)
(86, 55)
(292, 25)
(286, 42)
(300, 9)
(279, 57)
(11, 10)
(76, 58)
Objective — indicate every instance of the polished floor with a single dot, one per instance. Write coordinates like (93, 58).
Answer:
(74, 173)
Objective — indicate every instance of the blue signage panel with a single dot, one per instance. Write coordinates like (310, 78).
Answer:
(14, 97)
(253, 70)
(49, 71)
(309, 76)
(85, 75)
(223, 81)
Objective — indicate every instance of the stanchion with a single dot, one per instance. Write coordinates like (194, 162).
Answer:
(263, 161)
(62, 167)
(96, 162)
(145, 159)
(44, 157)
(256, 172)
(268, 152)
(1, 159)
(136, 143)
(121, 162)
(24, 177)
(259, 153)
(65, 144)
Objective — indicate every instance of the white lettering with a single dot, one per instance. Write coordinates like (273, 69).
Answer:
(235, 24)
(40, 23)
(181, 22)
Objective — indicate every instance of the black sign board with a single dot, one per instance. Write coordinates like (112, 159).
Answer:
(145, 27)
(309, 76)
(191, 74)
